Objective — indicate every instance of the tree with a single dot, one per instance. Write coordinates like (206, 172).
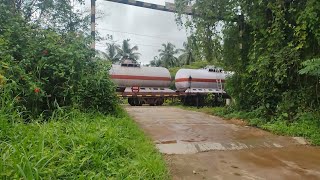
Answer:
(187, 56)
(126, 51)
(167, 55)
(271, 46)
(112, 53)
(60, 15)
(156, 62)
(311, 67)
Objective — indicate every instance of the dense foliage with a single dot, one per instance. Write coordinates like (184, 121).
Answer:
(273, 47)
(43, 69)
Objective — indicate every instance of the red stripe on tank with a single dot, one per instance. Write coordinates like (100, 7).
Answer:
(198, 80)
(140, 77)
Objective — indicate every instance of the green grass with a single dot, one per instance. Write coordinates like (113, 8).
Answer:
(305, 125)
(79, 146)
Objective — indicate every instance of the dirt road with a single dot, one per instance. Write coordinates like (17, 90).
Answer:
(200, 146)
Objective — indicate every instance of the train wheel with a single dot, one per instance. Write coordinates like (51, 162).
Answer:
(152, 101)
(137, 102)
(185, 100)
(131, 102)
(190, 101)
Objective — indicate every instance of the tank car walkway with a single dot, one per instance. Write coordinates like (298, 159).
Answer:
(200, 146)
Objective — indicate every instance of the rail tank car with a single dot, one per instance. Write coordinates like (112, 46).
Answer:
(142, 85)
(209, 78)
(129, 74)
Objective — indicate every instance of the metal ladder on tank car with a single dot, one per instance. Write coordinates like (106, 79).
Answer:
(220, 93)
(220, 85)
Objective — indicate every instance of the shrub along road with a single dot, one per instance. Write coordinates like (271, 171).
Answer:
(200, 146)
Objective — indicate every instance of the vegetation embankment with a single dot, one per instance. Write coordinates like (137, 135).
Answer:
(59, 115)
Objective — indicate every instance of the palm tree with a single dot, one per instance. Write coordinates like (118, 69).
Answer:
(187, 56)
(156, 62)
(112, 53)
(127, 52)
(167, 55)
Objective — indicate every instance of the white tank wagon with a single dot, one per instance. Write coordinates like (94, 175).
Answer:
(148, 84)
(207, 79)
(197, 84)
(126, 76)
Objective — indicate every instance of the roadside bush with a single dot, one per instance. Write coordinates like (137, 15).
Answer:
(97, 92)
(42, 70)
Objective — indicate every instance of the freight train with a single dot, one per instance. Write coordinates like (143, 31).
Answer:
(150, 85)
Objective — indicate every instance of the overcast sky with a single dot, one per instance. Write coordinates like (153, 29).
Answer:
(146, 28)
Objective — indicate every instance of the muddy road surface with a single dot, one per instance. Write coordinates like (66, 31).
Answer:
(199, 146)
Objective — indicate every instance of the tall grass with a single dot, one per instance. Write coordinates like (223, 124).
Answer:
(78, 146)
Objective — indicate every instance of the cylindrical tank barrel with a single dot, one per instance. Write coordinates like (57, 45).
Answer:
(124, 76)
(199, 78)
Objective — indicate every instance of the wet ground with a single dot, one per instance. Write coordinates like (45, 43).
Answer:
(199, 146)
